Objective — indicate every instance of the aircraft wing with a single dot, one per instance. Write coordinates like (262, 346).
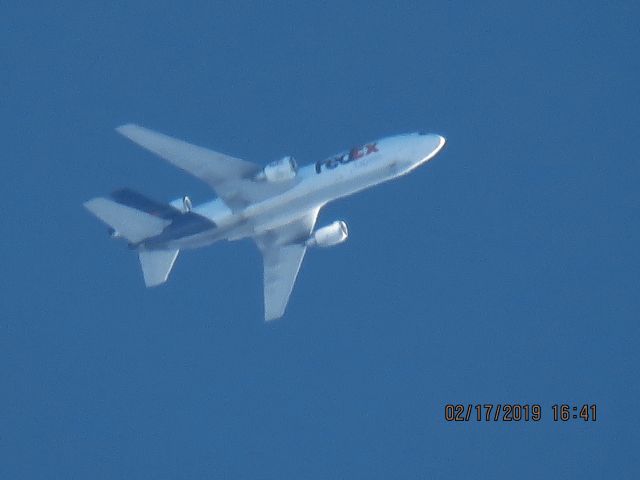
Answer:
(283, 250)
(230, 177)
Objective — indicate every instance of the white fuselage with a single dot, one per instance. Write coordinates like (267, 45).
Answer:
(314, 186)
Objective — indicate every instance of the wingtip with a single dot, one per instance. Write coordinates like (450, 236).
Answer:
(271, 316)
(122, 129)
(90, 204)
(273, 312)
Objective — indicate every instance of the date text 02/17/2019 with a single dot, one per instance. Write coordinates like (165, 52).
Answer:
(516, 412)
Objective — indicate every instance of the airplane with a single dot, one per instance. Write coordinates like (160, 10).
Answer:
(276, 206)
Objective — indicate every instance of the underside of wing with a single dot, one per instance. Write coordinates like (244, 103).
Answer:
(231, 178)
(281, 266)
(283, 250)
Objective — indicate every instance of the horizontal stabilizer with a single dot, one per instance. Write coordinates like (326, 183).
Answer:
(156, 265)
(133, 199)
(132, 224)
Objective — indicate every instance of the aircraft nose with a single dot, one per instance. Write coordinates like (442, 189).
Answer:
(432, 144)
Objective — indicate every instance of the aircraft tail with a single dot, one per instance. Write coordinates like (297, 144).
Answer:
(133, 224)
(156, 265)
(136, 225)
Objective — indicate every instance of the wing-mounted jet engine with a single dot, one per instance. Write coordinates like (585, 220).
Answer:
(329, 236)
(280, 170)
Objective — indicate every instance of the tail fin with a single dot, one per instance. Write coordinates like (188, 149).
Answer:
(156, 265)
(136, 225)
(132, 224)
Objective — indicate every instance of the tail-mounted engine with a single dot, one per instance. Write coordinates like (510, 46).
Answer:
(183, 204)
(280, 170)
(329, 236)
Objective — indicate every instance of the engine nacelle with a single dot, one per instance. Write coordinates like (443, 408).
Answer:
(183, 204)
(281, 170)
(330, 235)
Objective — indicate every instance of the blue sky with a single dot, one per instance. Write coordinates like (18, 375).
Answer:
(505, 271)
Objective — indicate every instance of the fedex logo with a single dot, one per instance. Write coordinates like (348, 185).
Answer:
(353, 154)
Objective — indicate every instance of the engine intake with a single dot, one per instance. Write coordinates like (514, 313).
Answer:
(183, 204)
(330, 235)
(280, 170)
